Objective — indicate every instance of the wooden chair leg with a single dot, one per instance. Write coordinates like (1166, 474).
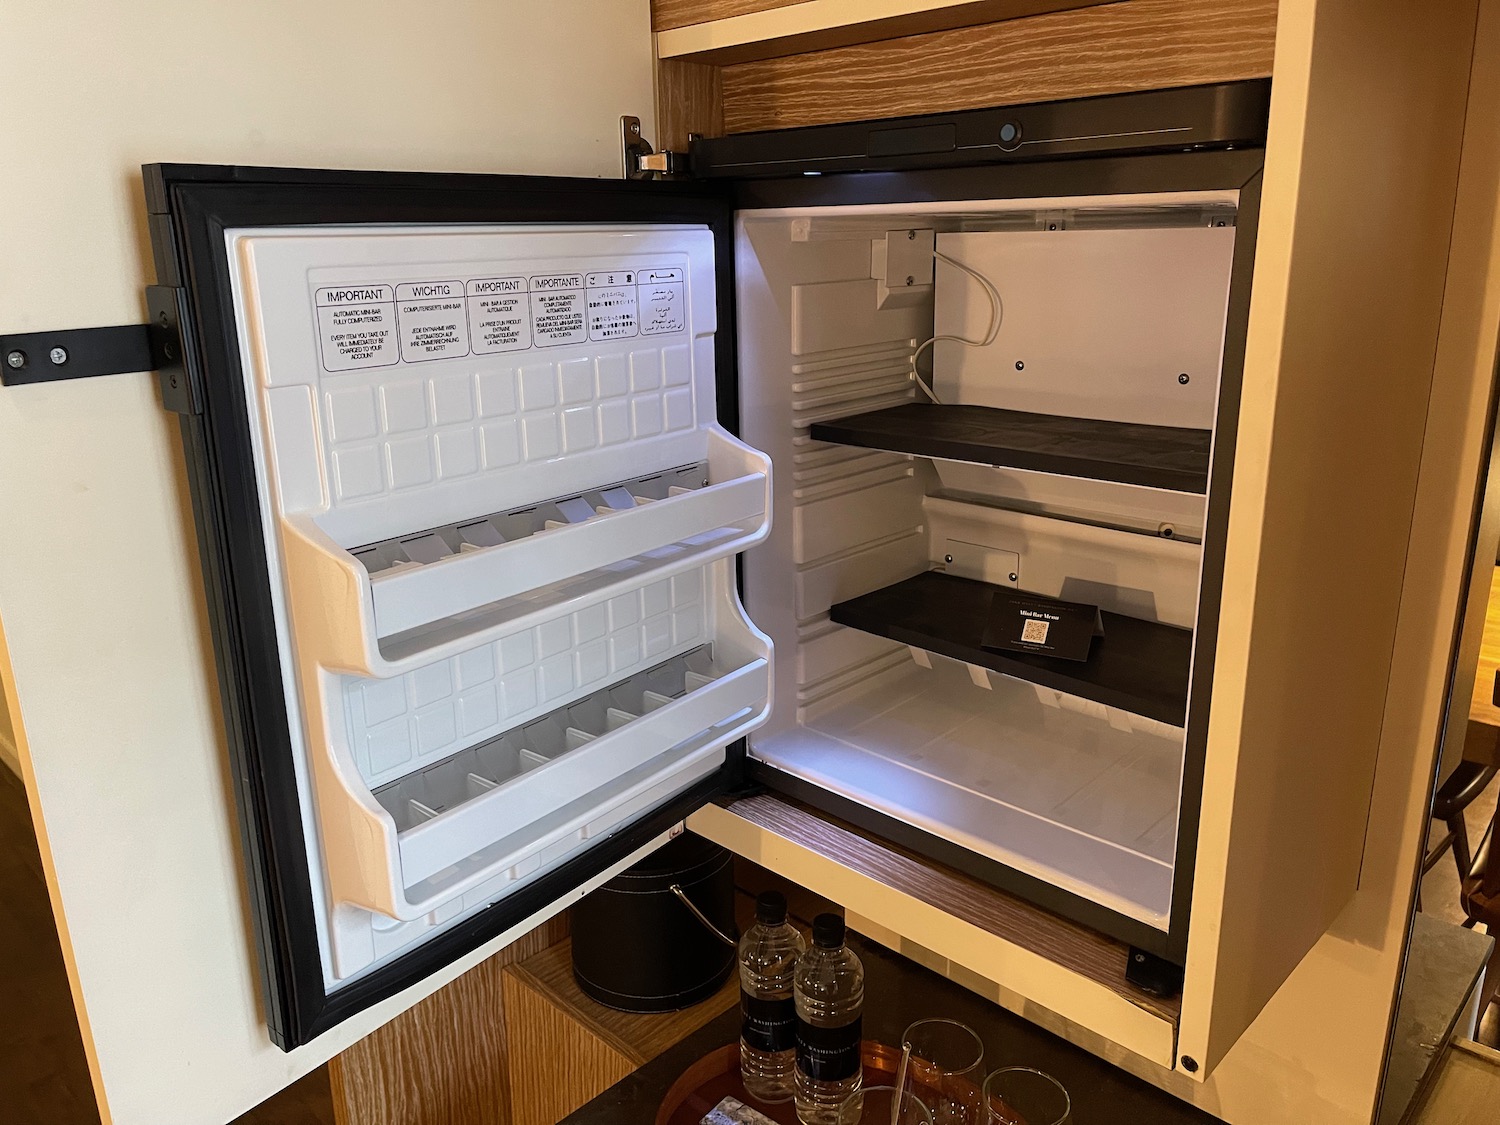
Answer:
(1461, 854)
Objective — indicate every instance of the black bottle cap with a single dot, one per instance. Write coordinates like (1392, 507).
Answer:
(770, 908)
(828, 931)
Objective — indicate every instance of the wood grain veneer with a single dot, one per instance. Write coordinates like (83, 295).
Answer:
(819, 25)
(1139, 45)
(442, 1061)
(689, 99)
(666, 14)
(567, 1048)
(1075, 947)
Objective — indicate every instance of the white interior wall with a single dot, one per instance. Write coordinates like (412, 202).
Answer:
(100, 595)
(1098, 322)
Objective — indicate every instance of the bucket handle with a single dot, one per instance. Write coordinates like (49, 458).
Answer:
(676, 889)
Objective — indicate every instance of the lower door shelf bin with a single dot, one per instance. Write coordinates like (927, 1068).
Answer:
(507, 804)
(1137, 666)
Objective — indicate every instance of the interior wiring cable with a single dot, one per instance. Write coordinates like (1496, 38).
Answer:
(997, 317)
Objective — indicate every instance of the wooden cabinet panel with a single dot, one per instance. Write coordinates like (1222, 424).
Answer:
(442, 1061)
(1143, 44)
(567, 1048)
(1079, 949)
(1330, 441)
(564, 1064)
(689, 99)
(1044, 961)
(667, 14)
(819, 25)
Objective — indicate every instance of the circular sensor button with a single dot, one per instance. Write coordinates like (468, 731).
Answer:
(1010, 136)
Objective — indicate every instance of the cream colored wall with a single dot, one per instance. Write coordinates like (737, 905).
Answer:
(99, 586)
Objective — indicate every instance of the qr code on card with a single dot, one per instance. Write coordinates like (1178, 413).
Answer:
(1034, 632)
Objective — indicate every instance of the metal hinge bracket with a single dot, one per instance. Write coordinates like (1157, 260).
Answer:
(639, 161)
(173, 358)
(83, 353)
(73, 353)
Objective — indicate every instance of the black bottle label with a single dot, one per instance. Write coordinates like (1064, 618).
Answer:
(768, 1025)
(829, 1054)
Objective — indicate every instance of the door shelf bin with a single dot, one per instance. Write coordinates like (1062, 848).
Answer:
(498, 824)
(373, 623)
(1137, 666)
(503, 761)
(1165, 457)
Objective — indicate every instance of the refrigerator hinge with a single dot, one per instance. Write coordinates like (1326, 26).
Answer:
(639, 161)
(176, 372)
(84, 353)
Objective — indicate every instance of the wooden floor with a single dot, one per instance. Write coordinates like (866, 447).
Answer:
(44, 1078)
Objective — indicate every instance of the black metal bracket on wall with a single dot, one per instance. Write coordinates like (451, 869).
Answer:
(83, 353)
(74, 353)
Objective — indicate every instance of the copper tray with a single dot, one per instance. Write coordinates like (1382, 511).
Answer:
(717, 1075)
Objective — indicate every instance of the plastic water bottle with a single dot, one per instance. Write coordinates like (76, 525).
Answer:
(830, 992)
(769, 951)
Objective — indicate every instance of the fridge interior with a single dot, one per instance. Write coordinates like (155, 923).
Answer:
(1068, 457)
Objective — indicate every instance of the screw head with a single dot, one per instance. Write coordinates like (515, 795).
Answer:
(16, 358)
(947, 558)
(1183, 379)
(911, 279)
(1051, 226)
(635, 126)
(1014, 577)
(58, 356)
(911, 235)
(1020, 365)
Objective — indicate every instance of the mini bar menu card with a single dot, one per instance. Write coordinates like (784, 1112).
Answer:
(1021, 622)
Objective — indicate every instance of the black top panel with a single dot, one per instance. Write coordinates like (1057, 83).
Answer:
(1226, 115)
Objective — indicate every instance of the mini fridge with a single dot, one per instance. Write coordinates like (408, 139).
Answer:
(536, 513)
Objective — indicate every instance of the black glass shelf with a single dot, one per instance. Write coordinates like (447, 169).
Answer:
(1137, 666)
(1167, 457)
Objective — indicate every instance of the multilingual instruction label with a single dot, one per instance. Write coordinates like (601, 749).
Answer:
(557, 309)
(434, 320)
(499, 319)
(611, 301)
(376, 325)
(662, 301)
(356, 326)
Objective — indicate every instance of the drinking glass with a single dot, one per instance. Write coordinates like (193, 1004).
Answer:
(1020, 1095)
(873, 1106)
(945, 1060)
